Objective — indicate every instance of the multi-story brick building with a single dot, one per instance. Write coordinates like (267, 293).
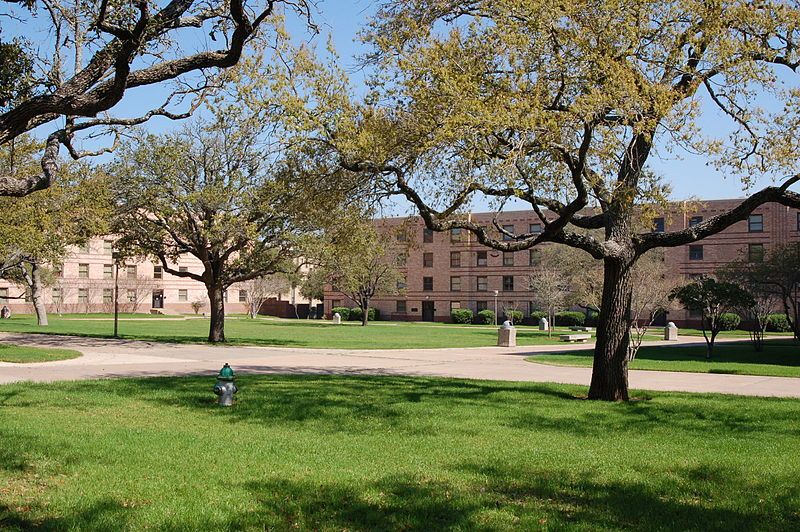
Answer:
(452, 270)
(85, 283)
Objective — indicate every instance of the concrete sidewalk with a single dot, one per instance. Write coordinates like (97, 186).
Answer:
(107, 358)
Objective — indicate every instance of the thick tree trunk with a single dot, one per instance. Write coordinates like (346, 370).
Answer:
(37, 295)
(217, 301)
(610, 368)
(365, 313)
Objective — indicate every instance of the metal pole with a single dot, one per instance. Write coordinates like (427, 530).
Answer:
(495, 307)
(116, 298)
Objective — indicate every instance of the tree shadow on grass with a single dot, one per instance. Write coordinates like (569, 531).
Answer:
(105, 514)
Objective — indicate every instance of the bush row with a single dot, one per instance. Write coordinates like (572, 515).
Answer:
(355, 313)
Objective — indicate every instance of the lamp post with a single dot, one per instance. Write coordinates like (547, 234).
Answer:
(116, 256)
(495, 306)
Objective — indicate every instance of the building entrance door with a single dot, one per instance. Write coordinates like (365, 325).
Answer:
(427, 311)
(158, 299)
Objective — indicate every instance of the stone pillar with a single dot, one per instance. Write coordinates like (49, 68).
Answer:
(671, 332)
(337, 319)
(543, 325)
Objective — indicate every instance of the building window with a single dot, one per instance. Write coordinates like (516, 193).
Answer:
(108, 247)
(336, 303)
(533, 257)
(242, 296)
(83, 248)
(158, 272)
(108, 296)
(401, 236)
(695, 313)
(130, 271)
(798, 221)
(183, 295)
(427, 284)
(755, 223)
(658, 225)
(455, 305)
(132, 296)
(508, 229)
(4, 295)
(695, 252)
(83, 271)
(455, 235)
(755, 252)
(455, 259)
(536, 228)
(508, 283)
(401, 285)
(427, 260)
(108, 271)
(482, 283)
(427, 236)
(58, 270)
(183, 269)
(401, 306)
(480, 258)
(481, 305)
(55, 295)
(455, 284)
(508, 258)
(695, 220)
(83, 295)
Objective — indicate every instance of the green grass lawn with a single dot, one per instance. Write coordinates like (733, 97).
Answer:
(291, 333)
(23, 354)
(781, 358)
(390, 453)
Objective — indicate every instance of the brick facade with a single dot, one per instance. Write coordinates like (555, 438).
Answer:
(474, 281)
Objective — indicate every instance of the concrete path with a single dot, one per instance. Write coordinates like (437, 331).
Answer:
(106, 358)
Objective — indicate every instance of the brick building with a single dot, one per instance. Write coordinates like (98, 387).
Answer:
(85, 283)
(451, 270)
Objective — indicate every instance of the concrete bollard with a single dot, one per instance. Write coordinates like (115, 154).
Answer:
(671, 332)
(507, 335)
(543, 325)
(337, 319)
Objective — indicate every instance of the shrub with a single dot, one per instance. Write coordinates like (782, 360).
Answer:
(461, 315)
(344, 312)
(374, 314)
(778, 323)
(729, 321)
(486, 316)
(592, 318)
(536, 315)
(570, 318)
(514, 315)
(356, 314)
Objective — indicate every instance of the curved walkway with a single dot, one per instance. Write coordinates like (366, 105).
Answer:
(107, 358)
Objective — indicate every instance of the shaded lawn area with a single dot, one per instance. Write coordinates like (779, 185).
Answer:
(780, 358)
(389, 453)
(292, 333)
(24, 354)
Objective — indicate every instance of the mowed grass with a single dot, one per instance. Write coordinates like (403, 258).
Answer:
(25, 354)
(780, 358)
(275, 332)
(390, 453)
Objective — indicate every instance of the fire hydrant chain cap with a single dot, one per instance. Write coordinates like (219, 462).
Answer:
(226, 373)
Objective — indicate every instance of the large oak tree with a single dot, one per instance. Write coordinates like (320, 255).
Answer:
(563, 106)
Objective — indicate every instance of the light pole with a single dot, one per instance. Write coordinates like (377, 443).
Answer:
(115, 255)
(495, 306)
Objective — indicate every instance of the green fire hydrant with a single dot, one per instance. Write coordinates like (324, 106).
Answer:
(225, 387)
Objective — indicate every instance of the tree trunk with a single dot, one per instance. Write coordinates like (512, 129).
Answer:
(610, 368)
(216, 299)
(37, 296)
(365, 313)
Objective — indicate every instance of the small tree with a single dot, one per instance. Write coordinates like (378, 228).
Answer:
(713, 299)
(197, 305)
(754, 278)
(781, 270)
(550, 289)
(258, 290)
(359, 265)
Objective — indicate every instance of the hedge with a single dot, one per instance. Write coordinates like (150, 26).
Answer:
(485, 316)
(344, 312)
(514, 315)
(461, 315)
(356, 314)
(537, 315)
(729, 321)
(778, 323)
(570, 318)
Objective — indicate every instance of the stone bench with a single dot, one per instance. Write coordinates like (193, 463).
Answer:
(581, 328)
(575, 337)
